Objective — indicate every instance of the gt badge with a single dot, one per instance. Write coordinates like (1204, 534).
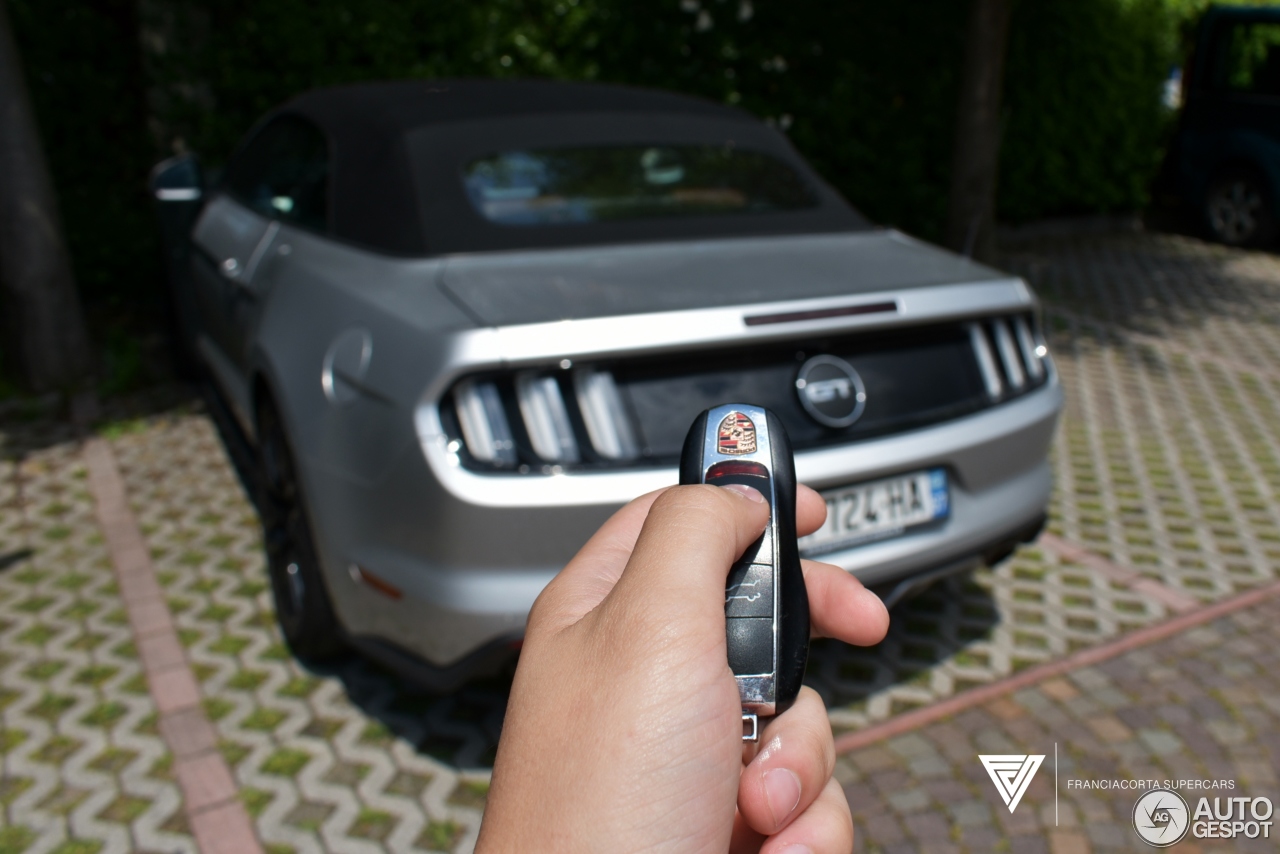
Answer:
(831, 391)
(737, 435)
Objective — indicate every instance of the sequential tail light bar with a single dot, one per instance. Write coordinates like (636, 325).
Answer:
(484, 423)
(546, 418)
(604, 415)
(1009, 353)
(986, 361)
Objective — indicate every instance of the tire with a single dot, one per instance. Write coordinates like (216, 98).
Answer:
(303, 608)
(1238, 209)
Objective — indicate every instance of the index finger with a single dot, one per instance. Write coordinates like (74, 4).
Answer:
(811, 510)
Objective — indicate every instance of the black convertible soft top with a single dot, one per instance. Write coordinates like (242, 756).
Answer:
(398, 149)
(393, 108)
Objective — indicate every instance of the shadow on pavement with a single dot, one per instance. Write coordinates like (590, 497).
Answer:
(460, 728)
(942, 624)
(1145, 283)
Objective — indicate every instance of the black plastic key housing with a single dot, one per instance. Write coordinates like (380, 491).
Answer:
(766, 604)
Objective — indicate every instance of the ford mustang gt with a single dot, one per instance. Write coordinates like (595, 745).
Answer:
(463, 322)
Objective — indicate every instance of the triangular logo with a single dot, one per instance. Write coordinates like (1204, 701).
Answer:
(1012, 773)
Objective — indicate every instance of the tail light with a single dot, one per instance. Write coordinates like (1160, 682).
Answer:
(545, 418)
(1009, 354)
(607, 423)
(484, 423)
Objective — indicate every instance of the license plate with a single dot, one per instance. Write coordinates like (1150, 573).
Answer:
(879, 510)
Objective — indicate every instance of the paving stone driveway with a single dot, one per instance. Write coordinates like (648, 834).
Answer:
(1168, 464)
(1204, 705)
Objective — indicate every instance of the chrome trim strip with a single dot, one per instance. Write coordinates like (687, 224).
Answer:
(661, 332)
(178, 194)
(758, 693)
(251, 266)
(547, 344)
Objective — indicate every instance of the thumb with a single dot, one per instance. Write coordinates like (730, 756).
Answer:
(690, 538)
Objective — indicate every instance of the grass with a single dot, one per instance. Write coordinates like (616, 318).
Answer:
(286, 762)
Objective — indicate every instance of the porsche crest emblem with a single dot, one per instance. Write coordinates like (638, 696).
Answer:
(737, 435)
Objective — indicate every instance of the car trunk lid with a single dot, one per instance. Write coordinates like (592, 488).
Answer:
(502, 289)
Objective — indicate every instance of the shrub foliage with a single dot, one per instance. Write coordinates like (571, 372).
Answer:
(865, 88)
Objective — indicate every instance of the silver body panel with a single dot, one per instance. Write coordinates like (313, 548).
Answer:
(357, 348)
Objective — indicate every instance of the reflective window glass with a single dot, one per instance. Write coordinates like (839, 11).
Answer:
(629, 182)
(284, 173)
(1247, 58)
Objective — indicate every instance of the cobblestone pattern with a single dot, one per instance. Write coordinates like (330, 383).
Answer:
(1167, 461)
(84, 769)
(1169, 455)
(974, 629)
(1203, 705)
(344, 760)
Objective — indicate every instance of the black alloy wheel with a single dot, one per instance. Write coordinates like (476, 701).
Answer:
(1238, 210)
(303, 608)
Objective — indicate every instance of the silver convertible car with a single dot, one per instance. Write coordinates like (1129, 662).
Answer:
(463, 322)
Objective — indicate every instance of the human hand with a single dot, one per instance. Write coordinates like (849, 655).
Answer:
(624, 727)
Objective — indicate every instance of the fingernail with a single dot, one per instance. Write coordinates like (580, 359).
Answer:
(746, 491)
(782, 790)
(795, 849)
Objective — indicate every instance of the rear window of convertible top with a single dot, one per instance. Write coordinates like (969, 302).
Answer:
(629, 182)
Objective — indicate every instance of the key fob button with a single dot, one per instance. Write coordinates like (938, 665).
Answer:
(749, 591)
(750, 645)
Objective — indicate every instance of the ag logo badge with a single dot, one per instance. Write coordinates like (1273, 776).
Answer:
(1161, 818)
(831, 391)
(737, 435)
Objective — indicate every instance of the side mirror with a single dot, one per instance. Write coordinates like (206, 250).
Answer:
(178, 179)
(177, 185)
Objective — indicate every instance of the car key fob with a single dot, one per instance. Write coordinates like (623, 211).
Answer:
(766, 606)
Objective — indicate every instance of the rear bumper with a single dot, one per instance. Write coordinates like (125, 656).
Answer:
(469, 570)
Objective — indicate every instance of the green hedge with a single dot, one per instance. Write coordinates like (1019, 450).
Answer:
(865, 89)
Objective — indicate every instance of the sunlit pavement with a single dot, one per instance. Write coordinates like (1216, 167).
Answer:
(1168, 462)
(1201, 706)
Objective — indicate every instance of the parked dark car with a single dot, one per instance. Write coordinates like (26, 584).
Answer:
(1224, 161)
(463, 322)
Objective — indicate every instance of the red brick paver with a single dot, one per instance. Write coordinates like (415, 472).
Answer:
(217, 818)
